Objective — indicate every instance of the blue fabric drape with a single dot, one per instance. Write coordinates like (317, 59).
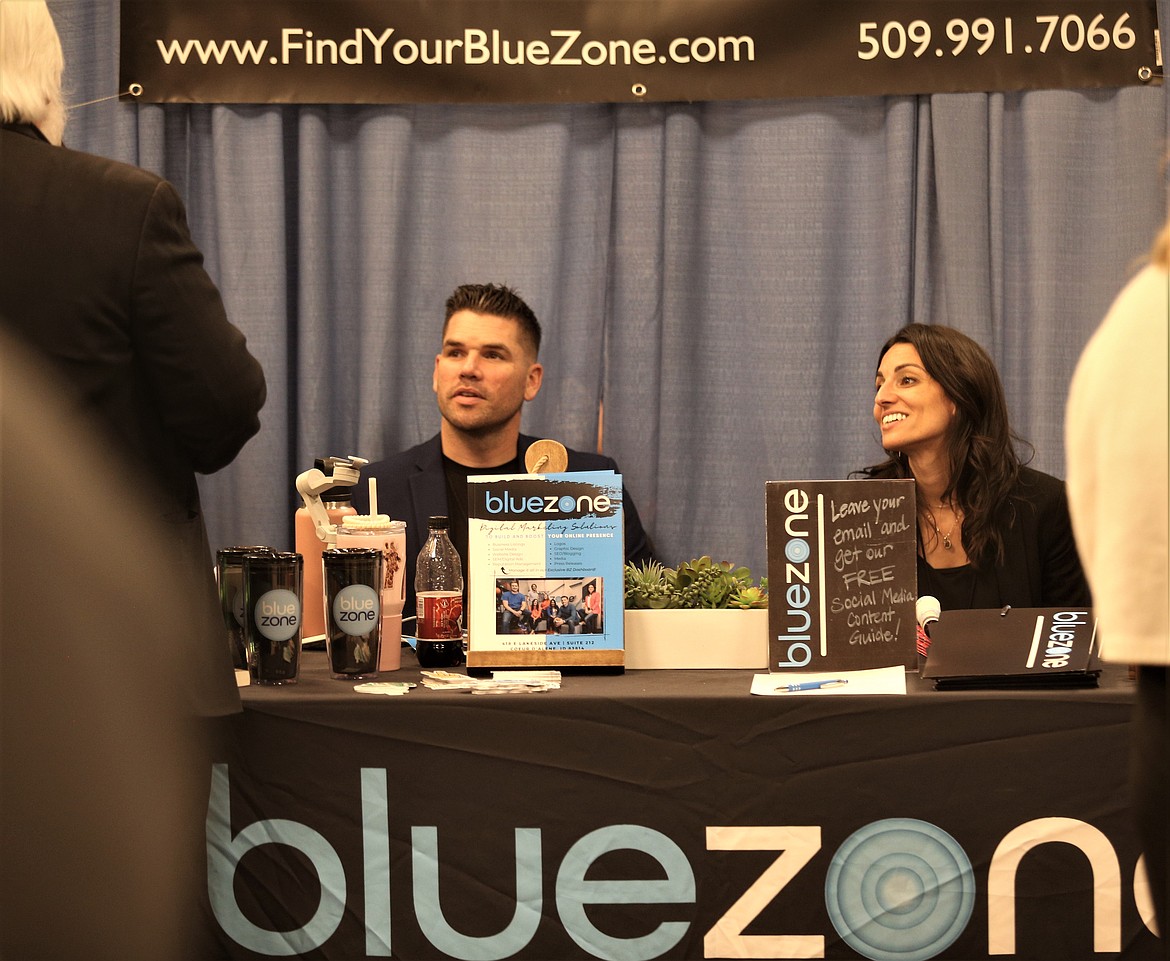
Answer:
(715, 279)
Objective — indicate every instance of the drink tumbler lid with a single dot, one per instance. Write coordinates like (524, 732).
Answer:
(351, 552)
(238, 553)
(269, 558)
(365, 522)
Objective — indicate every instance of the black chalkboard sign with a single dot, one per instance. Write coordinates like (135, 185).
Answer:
(842, 574)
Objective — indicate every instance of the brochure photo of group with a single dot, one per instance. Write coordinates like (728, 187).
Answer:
(548, 606)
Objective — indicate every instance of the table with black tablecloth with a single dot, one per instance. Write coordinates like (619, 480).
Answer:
(671, 814)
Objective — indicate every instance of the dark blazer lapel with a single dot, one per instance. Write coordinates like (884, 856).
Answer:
(428, 487)
(1016, 579)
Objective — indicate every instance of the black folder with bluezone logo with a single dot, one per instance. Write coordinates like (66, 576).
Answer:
(1015, 647)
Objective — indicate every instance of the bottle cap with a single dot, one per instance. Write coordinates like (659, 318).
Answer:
(437, 521)
(365, 522)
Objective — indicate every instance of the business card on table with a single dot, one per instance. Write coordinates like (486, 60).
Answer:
(878, 680)
(387, 688)
(501, 682)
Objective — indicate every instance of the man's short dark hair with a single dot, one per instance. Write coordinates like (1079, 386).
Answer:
(496, 300)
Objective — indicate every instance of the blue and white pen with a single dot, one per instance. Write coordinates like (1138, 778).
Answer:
(813, 685)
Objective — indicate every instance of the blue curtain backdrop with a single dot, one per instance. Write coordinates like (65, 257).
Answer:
(716, 277)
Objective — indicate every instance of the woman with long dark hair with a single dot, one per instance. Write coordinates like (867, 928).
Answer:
(991, 531)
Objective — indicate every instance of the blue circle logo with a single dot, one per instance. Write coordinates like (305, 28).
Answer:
(797, 550)
(566, 503)
(277, 615)
(900, 890)
(355, 609)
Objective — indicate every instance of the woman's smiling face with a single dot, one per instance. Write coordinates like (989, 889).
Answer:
(910, 407)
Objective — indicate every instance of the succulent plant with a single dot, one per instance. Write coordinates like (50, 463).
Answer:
(747, 598)
(647, 587)
(700, 583)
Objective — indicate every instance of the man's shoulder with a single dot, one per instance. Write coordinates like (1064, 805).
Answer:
(429, 454)
(416, 457)
(87, 170)
(110, 171)
(87, 195)
(585, 460)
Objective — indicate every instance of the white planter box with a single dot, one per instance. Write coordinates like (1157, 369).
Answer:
(696, 639)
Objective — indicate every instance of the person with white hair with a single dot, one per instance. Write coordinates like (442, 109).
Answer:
(33, 64)
(103, 281)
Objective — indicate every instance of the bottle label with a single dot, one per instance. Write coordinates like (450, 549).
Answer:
(440, 614)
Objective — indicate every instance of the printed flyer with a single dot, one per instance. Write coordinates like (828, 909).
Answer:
(545, 579)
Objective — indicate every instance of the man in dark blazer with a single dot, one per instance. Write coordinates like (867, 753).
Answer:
(100, 276)
(485, 371)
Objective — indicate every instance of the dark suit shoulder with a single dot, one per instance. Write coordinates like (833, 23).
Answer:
(91, 171)
(1039, 488)
(583, 461)
(415, 458)
(108, 199)
(103, 170)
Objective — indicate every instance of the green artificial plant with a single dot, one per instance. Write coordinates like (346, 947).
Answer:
(697, 584)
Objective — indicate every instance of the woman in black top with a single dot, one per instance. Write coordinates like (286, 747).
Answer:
(991, 532)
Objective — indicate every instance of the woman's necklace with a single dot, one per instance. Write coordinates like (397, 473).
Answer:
(946, 538)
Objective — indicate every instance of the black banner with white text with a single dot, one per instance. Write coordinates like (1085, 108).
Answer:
(573, 51)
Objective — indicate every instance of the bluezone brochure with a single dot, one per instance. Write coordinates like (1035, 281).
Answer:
(545, 574)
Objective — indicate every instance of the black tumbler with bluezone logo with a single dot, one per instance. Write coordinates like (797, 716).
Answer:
(229, 577)
(353, 611)
(273, 597)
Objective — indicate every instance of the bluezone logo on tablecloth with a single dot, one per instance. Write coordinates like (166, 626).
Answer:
(900, 890)
(895, 889)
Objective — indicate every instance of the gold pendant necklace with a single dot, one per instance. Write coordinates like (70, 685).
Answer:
(946, 538)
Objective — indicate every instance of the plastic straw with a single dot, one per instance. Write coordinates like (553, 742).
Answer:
(373, 496)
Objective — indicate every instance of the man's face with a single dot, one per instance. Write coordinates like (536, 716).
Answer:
(484, 373)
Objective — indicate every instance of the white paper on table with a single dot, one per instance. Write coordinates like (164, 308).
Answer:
(878, 680)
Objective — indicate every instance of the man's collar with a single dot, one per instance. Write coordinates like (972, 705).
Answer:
(522, 443)
(25, 129)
